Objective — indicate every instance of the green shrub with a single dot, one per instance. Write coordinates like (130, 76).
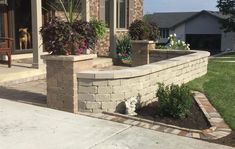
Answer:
(100, 28)
(177, 44)
(174, 101)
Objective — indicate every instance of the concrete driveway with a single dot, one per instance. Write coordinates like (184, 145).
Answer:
(25, 126)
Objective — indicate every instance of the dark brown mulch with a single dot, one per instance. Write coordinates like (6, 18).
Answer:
(228, 140)
(196, 119)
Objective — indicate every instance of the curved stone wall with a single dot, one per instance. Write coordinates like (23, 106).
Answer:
(106, 90)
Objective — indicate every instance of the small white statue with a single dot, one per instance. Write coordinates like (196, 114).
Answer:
(131, 105)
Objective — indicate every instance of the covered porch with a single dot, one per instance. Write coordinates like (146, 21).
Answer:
(34, 65)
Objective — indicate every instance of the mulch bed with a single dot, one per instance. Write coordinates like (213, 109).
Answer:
(228, 140)
(196, 119)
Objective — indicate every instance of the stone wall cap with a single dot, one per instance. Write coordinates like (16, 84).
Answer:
(144, 69)
(143, 41)
(72, 58)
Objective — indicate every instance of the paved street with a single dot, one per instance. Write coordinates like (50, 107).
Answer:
(25, 126)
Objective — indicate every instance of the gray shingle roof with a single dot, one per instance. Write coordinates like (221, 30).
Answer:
(167, 20)
(171, 19)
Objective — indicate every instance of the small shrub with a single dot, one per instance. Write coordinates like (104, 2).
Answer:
(138, 30)
(160, 47)
(100, 28)
(177, 44)
(174, 101)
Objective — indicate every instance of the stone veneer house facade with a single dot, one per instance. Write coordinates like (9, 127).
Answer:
(133, 9)
(16, 14)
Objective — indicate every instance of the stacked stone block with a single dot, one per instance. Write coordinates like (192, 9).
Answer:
(164, 54)
(106, 91)
(140, 52)
(62, 80)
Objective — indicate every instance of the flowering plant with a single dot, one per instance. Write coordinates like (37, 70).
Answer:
(124, 49)
(177, 44)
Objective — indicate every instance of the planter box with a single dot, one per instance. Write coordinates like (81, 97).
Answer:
(140, 52)
(62, 79)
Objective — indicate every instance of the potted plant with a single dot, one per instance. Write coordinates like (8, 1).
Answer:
(143, 36)
(124, 50)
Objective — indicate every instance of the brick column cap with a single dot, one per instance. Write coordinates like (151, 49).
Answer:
(143, 41)
(70, 58)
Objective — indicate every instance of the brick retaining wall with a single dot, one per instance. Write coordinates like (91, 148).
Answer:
(105, 90)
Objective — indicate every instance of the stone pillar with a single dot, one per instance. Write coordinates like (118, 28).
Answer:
(62, 80)
(140, 52)
(113, 28)
(86, 10)
(36, 7)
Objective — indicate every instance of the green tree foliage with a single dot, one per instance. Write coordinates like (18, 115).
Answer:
(227, 7)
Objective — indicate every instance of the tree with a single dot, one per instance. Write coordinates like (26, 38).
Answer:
(227, 7)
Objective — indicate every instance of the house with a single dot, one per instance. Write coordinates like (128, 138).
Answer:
(29, 14)
(202, 30)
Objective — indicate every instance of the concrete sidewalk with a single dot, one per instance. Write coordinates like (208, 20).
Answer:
(25, 126)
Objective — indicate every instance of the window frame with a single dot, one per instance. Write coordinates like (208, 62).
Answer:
(107, 13)
(118, 14)
(4, 13)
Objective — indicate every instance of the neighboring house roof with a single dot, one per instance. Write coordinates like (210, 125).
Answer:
(167, 20)
(173, 19)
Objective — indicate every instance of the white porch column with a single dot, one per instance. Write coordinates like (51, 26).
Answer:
(36, 7)
(86, 10)
(113, 28)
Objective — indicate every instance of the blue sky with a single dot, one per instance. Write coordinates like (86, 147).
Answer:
(151, 6)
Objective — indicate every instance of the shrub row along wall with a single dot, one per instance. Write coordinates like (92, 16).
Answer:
(105, 90)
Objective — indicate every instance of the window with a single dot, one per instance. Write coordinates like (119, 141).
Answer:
(121, 13)
(164, 32)
(107, 12)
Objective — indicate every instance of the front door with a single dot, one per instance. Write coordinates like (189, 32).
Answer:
(3, 24)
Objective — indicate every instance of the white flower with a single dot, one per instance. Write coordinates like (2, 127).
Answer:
(171, 35)
(175, 34)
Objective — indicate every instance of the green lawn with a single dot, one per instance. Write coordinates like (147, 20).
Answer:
(219, 86)
(225, 59)
(232, 54)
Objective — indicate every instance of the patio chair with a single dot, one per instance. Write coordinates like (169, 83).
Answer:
(6, 48)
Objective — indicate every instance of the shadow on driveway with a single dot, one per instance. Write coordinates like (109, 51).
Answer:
(23, 96)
